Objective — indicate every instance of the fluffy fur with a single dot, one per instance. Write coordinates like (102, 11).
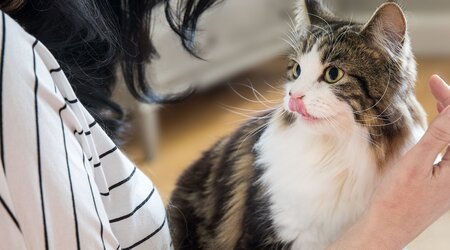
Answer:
(298, 183)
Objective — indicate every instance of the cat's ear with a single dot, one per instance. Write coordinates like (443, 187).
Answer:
(387, 27)
(313, 12)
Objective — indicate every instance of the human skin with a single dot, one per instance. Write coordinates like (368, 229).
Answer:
(414, 194)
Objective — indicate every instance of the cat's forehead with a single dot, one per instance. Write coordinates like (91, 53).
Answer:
(328, 35)
(327, 41)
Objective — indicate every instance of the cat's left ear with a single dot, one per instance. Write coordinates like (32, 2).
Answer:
(387, 27)
(313, 12)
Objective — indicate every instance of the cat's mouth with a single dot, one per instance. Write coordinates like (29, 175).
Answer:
(298, 106)
(309, 117)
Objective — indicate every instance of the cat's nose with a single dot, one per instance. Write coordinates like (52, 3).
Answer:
(296, 104)
(296, 95)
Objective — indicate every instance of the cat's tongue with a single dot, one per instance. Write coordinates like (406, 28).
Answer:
(297, 105)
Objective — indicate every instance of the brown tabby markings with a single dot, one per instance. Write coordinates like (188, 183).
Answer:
(370, 91)
(219, 202)
(225, 178)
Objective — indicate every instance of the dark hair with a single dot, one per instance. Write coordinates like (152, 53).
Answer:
(184, 20)
(91, 38)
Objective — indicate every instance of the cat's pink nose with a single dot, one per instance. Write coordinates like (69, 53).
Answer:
(296, 104)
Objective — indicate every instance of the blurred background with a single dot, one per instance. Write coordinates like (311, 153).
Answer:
(243, 45)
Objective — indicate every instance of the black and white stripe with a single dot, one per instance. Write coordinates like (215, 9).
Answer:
(10, 213)
(56, 162)
(72, 195)
(38, 146)
(2, 152)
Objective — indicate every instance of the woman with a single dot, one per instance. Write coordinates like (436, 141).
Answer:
(64, 184)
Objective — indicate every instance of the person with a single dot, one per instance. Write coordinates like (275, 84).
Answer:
(64, 184)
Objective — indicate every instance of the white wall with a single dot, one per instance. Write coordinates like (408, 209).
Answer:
(428, 21)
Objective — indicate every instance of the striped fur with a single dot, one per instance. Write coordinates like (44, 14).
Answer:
(219, 196)
(228, 201)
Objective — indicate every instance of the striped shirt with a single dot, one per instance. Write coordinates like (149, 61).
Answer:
(63, 182)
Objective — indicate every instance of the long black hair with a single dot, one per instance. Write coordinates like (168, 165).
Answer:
(91, 38)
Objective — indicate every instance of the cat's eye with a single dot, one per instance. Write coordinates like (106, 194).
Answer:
(296, 71)
(333, 74)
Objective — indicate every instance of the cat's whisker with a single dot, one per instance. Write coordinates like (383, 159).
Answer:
(293, 27)
(325, 21)
(314, 35)
(371, 118)
(378, 117)
(322, 28)
(254, 119)
(292, 34)
(236, 112)
(273, 87)
(252, 133)
(367, 136)
(359, 133)
(246, 110)
(255, 91)
(331, 123)
(244, 120)
(340, 37)
(275, 92)
(274, 117)
(291, 44)
(242, 96)
(387, 124)
(382, 96)
(244, 115)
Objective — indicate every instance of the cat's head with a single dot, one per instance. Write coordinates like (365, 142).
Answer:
(345, 74)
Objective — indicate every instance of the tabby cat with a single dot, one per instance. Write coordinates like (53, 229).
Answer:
(349, 114)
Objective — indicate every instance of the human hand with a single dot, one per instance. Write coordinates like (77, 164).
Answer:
(413, 194)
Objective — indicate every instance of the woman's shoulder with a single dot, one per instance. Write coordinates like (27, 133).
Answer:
(22, 58)
(12, 32)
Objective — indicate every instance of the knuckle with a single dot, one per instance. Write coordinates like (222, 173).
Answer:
(440, 133)
(446, 101)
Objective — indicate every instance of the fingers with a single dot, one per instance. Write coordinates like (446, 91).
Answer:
(439, 107)
(446, 156)
(436, 137)
(440, 90)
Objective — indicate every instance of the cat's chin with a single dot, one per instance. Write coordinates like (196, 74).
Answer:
(319, 125)
(309, 119)
(313, 123)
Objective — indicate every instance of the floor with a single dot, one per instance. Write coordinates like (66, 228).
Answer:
(189, 128)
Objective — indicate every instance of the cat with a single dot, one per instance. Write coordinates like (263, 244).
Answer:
(310, 167)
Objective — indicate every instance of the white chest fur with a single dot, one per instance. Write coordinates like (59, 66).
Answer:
(318, 185)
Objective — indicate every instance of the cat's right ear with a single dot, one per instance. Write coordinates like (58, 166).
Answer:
(313, 12)
(387, 27)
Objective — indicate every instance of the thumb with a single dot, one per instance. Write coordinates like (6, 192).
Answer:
(440, 90)
(436, 137)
